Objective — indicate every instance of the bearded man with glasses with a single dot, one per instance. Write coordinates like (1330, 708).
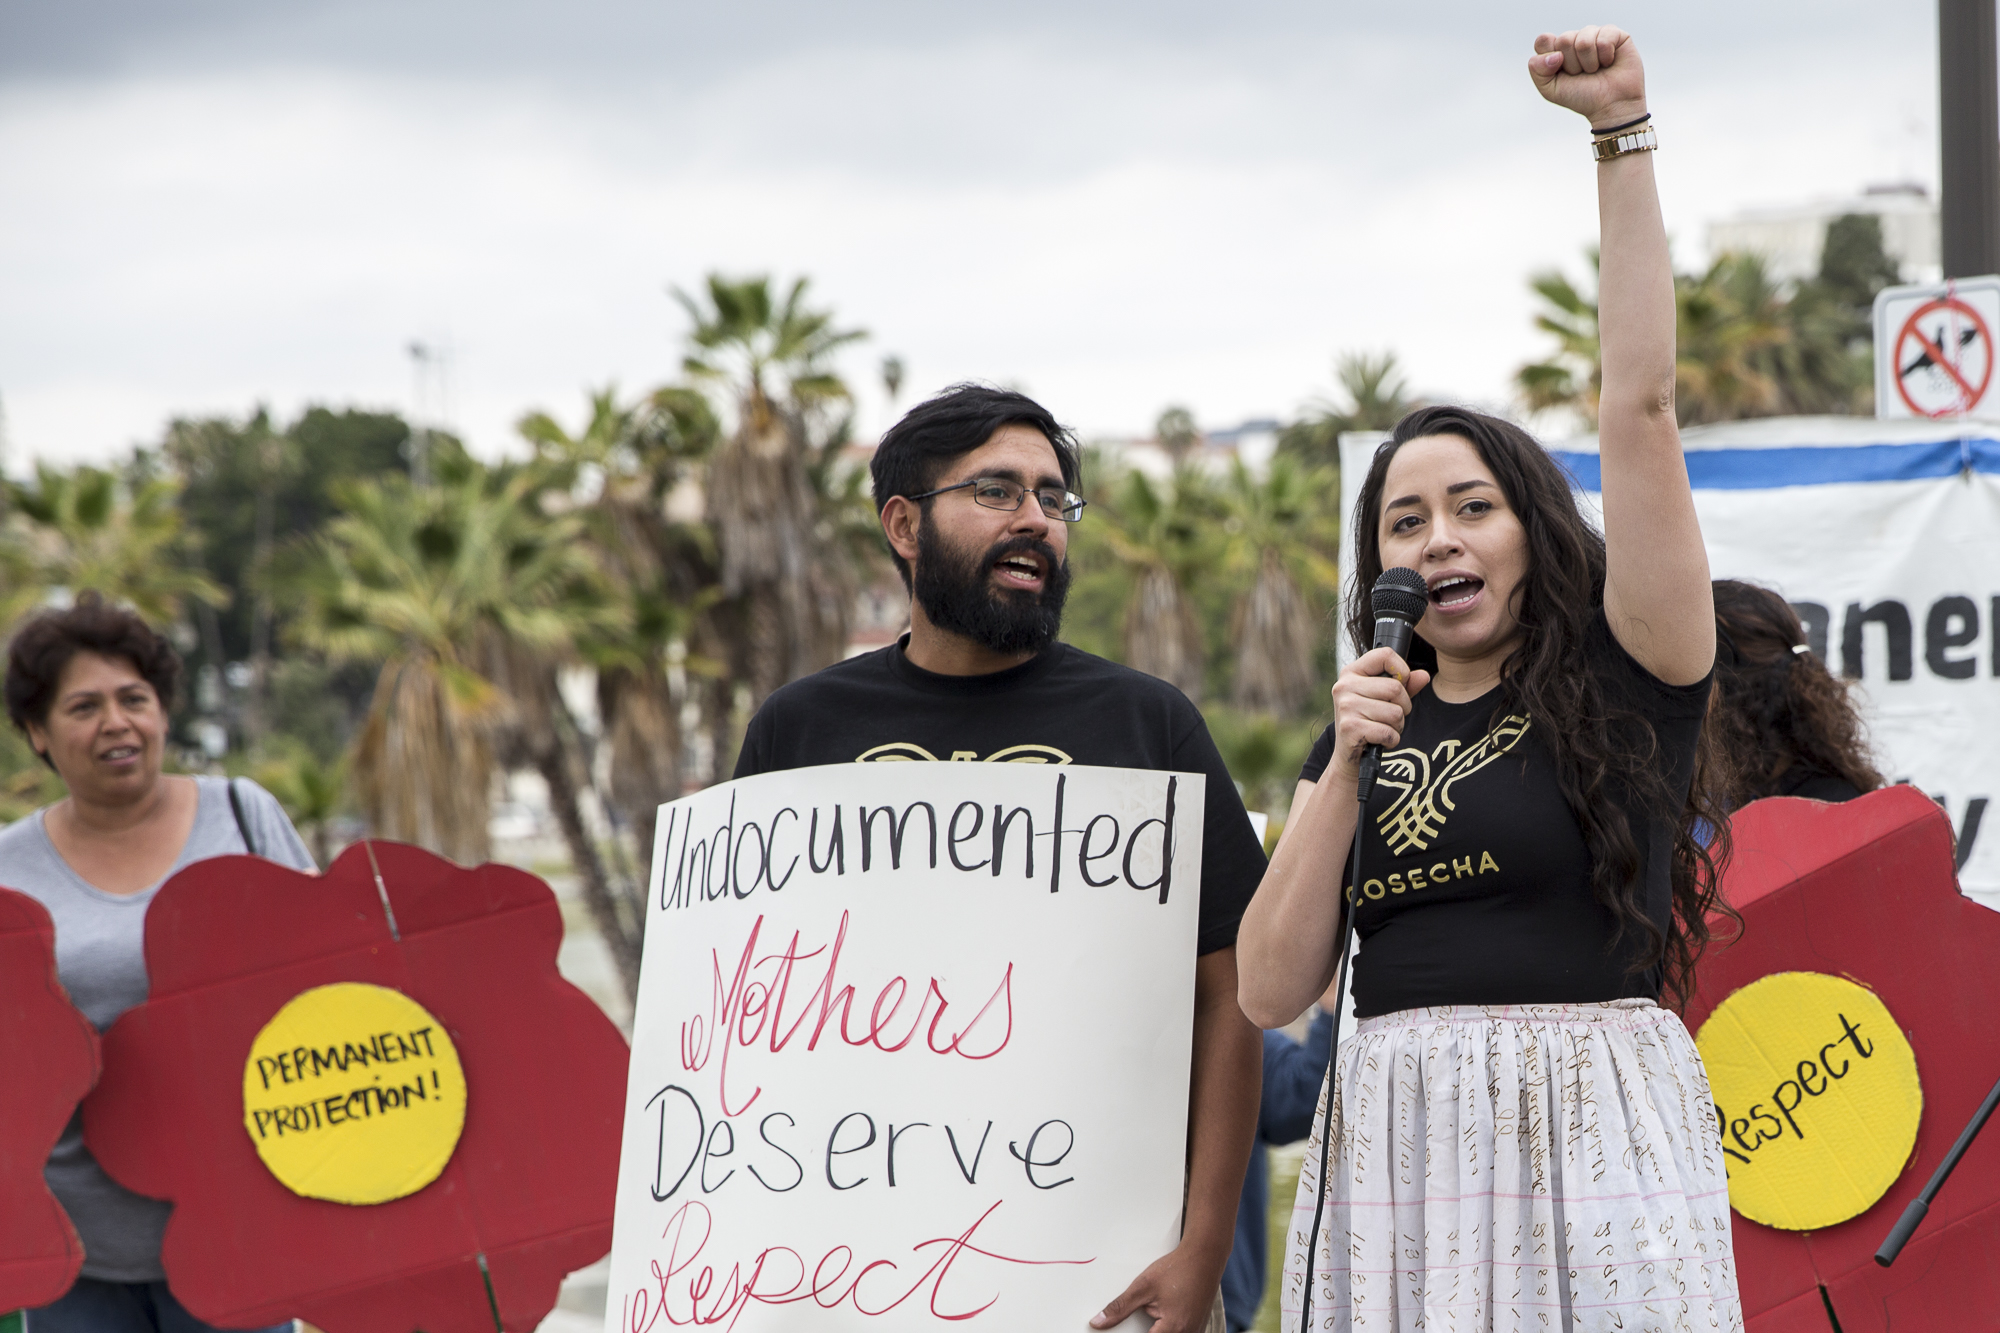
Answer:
(976, 490)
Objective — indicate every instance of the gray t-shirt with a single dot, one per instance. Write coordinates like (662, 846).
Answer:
(100, 957)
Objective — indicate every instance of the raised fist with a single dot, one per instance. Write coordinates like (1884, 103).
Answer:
(1595, 72)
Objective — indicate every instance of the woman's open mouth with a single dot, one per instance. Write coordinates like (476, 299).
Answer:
(1456, 593)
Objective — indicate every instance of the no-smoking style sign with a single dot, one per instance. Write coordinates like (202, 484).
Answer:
(1934, 349)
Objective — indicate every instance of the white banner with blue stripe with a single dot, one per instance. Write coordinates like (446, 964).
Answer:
(1885, 535)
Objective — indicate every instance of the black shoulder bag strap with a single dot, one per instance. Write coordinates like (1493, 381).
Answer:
(242, 824)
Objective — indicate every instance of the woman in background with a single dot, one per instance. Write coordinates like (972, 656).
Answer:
(90, 687)
(1784, 723)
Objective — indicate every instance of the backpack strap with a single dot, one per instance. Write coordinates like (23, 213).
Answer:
(242, 823)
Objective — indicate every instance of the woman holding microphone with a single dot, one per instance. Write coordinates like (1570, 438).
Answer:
(1521, 1134)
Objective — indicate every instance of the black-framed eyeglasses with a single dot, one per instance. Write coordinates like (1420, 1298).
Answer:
(999, 493)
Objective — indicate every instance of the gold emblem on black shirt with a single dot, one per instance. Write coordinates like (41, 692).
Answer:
(1423, 783)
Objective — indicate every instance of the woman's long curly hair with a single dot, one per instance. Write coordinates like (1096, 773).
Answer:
(1606, 758)
(1777, 710)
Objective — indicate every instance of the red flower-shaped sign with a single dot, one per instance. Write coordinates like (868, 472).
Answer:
(49, 1051)
(483, 1089)
(1866, 891)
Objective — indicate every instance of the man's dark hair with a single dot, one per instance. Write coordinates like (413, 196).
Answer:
(45, 645)
(915, 451)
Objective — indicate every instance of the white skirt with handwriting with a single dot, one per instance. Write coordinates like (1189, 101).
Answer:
(1517, 1167)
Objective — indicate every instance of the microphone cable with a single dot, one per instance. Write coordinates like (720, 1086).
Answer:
(1398, 600)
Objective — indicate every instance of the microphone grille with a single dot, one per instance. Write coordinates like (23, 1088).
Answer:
(1401, 593)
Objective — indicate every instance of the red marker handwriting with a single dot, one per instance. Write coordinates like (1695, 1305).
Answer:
(684, 1295)
(749, 1008)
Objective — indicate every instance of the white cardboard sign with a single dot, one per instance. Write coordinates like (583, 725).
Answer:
(911, 1049)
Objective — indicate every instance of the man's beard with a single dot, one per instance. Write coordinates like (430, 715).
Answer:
(957, 594)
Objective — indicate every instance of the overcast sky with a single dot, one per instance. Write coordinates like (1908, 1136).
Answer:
(1114, 205)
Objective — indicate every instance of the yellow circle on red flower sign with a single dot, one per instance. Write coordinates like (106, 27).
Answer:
(353, 1093)
(1816, 1098)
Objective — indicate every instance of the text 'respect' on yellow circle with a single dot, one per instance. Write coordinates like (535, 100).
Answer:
(353, 1093)
(1816, 1098)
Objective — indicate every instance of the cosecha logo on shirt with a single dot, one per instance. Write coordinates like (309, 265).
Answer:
(1423, 783)
(353, 1093)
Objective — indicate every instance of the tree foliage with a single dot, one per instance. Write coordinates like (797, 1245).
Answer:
(1748, 346)
(89, 528)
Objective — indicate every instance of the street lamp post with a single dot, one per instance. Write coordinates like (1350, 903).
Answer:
(1969, 137)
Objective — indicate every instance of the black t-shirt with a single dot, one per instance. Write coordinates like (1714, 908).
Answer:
(1816, 784)
(1475, 875)
(1063, 706)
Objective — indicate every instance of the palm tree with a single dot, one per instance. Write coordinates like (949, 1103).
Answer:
(312, 794)
(1177, 433)
(1572, 376)
(1378, 397)
(788, 593)
(1162, 533)
(436, 583)
(1732, 338)
(661, 568)
(1746, 346)
(87, 528)
(1281, 535)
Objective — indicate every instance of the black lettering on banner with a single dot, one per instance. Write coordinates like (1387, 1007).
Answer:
(1816, 619)
(660, 1149)
(1001, 823)
(833, 1152)
(893, 1132)
(952, 838)
(1166, 879)
(836, 845)
(969, 1174)
(708, 1151)
(764, 1133)
(777, 885)
(1029, 1161)
(1085, 856)
(896, 827)
(1953, 622)
(1894, 618)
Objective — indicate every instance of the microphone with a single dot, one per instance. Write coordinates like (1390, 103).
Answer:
(1398, 600)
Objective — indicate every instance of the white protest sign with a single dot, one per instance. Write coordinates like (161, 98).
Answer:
(911, 1049)
(1934, 349)
(1885, 536)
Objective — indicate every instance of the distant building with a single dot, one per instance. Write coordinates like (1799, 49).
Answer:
(1254, 441)
(1790, 238)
